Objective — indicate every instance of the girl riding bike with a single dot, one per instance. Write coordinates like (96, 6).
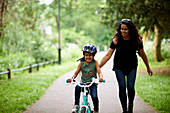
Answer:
(89, 67)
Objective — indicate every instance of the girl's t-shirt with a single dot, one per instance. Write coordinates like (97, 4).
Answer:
(88, 71)
(125, 57)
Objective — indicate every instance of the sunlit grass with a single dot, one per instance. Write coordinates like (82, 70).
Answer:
(154, 91)
(19, 93)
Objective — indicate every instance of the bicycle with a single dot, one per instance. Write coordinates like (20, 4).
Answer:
(85, 106)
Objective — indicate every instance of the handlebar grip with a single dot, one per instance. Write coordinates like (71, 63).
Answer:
(69, 80)
(99, 80)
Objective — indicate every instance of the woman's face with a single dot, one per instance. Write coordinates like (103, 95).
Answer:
(88, 57)
(124, 30)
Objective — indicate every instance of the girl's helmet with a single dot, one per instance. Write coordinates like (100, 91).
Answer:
(89, 48)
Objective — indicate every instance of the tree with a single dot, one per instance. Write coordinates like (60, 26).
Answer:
(3, 8)
(152, 14)
(78, 16)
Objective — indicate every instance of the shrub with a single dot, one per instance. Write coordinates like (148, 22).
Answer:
(15, 60)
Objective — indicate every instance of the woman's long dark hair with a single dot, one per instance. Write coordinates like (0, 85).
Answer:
(133, 32)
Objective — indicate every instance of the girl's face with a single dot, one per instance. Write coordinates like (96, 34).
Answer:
(88, 57)
(124, 30)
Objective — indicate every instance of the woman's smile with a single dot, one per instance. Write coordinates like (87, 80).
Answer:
(124, 30)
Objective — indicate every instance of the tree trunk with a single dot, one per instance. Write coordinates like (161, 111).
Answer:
(146, 36)
(3, 7)
(157, 43)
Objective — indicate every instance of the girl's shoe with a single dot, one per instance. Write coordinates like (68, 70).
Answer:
(130, 108)
(75, 109)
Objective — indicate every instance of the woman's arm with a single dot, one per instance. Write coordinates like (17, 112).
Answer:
(99, 71)
(106, 57)
(77, 71)
(145, 60)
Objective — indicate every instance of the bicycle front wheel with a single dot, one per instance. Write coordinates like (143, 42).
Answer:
(85, 111)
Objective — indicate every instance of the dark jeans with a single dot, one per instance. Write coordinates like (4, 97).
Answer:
(131, 77)
(93, 93)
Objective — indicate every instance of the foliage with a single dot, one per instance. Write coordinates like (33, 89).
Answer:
(154, 91)
(75, 17)
(71, 52)
(105, 38)
(152, 15)
(154, 65)
(144, 13)
(23, 39)
(42, 49)
(15, 60)
(70, 36)
(25, 34)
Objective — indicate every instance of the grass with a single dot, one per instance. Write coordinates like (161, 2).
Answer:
(154, 65)
(16, 95)
(154, 91)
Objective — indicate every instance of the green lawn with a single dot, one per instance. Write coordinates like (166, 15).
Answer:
(18, 94)
(154, 91)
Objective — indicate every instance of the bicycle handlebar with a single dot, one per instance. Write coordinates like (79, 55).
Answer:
(94, 80)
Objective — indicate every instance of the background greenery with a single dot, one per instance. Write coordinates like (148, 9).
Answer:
(29, 29)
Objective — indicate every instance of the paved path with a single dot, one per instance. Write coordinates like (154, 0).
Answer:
(59, 96)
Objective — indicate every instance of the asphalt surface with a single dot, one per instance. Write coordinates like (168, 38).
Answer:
(59, 96)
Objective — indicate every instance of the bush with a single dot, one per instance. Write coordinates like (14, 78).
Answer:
(71, 52)
(42, 51)
(15, 60)
(70, 36)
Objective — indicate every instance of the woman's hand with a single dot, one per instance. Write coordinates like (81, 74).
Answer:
(150, 72)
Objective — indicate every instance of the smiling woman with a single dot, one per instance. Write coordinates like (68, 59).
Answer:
(126, 42)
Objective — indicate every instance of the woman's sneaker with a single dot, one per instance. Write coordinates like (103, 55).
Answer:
(75, 109)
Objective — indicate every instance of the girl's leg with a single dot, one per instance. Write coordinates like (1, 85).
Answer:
(77, 94)
(122, 88)
(130, 85)
(94, 95)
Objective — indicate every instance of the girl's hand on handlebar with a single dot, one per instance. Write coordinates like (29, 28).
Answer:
(69, 80)
(100, 79)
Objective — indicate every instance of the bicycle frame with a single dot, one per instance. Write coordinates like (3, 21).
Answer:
(85, 105)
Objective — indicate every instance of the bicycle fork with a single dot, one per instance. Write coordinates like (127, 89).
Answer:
(85, 105)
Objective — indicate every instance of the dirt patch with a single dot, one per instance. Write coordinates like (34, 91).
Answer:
(161, 71)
